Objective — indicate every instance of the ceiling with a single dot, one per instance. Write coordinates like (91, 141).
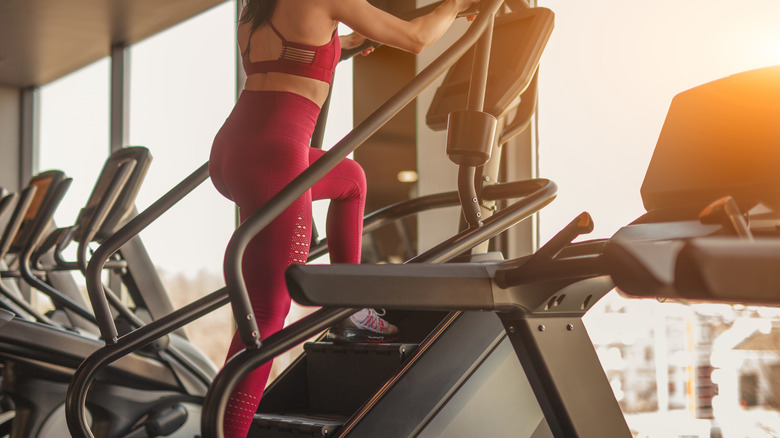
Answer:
(42, 40)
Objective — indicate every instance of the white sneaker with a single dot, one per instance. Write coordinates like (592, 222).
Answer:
(365, 325)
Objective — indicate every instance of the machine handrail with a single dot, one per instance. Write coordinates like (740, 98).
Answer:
(399, 210)
(491, 226)
(75, 400)
(131, 229)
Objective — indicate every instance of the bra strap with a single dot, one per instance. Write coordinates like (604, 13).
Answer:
(248, 45)
(276, 31)
(252, 32)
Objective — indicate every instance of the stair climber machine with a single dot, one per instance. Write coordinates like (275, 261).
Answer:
(513, 68)
(153, 392)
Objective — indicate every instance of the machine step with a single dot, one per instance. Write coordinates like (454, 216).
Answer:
(342, 377)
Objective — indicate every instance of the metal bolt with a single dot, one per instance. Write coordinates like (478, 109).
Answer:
(541, 327)
(254, 333)
(511, 329)
(474, 200)
(249, 317)
(569, 327)
(486, 178)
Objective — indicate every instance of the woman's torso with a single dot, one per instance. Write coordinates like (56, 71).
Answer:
(298, 21)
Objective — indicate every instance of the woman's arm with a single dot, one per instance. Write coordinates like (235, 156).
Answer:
(354, 40)
(411, 36)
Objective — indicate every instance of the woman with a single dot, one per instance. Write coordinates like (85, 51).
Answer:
(290, 50)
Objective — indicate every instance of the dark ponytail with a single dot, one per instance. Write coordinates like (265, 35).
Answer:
(258, 12)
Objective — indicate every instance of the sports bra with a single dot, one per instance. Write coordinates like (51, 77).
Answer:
(316, 62)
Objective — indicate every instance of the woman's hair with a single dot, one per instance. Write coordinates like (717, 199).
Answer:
(258, 12)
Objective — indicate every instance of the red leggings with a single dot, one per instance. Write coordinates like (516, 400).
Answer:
(262, 146)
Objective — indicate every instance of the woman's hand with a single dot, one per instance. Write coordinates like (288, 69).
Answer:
(462, 5)
(354, 40)
(384, 28)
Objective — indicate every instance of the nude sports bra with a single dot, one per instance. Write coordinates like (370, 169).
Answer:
(316, 62)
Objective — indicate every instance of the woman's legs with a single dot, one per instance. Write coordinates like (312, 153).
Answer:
(264, 145)
(264, 264)
(345, 186)
(285, 241)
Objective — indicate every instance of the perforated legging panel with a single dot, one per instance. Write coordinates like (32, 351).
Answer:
(262, 146)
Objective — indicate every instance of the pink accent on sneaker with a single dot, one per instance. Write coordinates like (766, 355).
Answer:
(368, 319)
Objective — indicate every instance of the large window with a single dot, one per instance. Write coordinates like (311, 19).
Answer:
(607, 77)
(74, 133)
(182, 87)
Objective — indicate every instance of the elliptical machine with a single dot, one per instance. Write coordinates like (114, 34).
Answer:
(154, 392)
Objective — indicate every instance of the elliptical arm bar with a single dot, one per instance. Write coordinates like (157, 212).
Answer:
(25, 198)
(242, 310)
(93, 225)
(492, 226)
(15, 222)
(37, 229)
(94, 284)
(101, 212)
(6, 202)
(76, 397)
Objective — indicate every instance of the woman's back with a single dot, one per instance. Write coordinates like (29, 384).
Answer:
(294, 34)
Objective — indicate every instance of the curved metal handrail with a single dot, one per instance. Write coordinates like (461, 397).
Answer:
(491, 226)
(399, 210)
(75, 400)
(97, 296)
